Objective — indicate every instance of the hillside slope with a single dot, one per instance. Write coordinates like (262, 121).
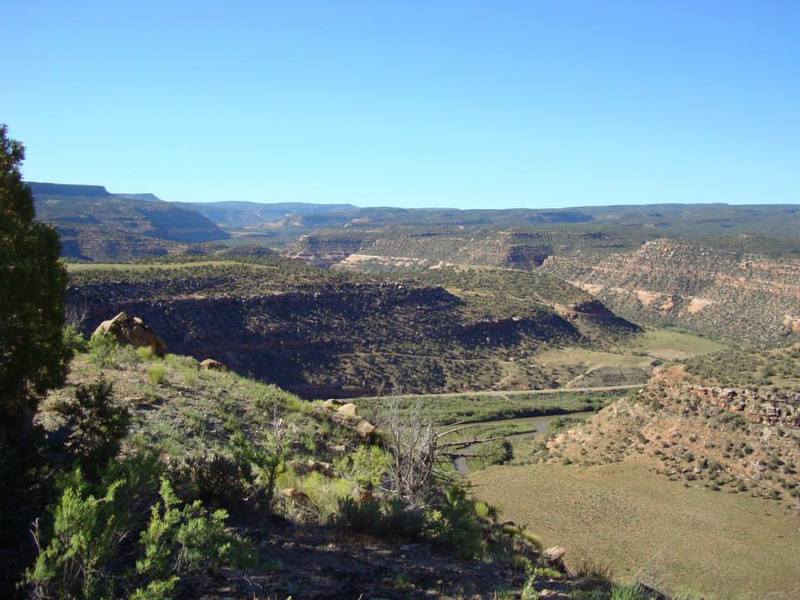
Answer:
(748, 297)
(95, 224)
(736, 439)
(323, 334)
(209, 433)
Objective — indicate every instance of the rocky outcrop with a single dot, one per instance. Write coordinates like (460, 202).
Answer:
(732, 439)
(210, 364)
(132, 331)
(671, 282)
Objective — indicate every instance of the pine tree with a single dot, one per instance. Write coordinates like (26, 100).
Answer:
(32, 291)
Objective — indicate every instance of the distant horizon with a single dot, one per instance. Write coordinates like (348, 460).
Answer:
(467, 104)
(365, 206)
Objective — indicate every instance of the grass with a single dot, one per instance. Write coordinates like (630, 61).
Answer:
(651, 529)
(671, 344)
(444, 409)
(665, 344)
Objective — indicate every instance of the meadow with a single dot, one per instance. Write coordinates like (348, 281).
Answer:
(475, 407)
(647, 528)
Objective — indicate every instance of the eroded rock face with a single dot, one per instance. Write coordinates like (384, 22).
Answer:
(132, 331)
(695, 286)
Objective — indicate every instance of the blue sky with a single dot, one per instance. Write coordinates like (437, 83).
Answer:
(463, 104)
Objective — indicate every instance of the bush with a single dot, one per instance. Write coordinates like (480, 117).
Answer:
(99, 424)
(367, 466)
(93, 530)
(214, 478)
(182, 539)
(453, 524)
(74, 342)
(456, 526)
(379, 519)
(156, 374)
(75, 562)
(632, 591)
(101, 349)
(146, 354)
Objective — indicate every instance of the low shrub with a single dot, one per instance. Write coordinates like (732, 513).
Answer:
(92, 532)
(185, 538)
(145, 353)
(452, 522)
(99, 424)
(102, 348)
(74, 342)
(156, 374)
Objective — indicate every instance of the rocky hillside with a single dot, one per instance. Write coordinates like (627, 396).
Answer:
(732, 439)
(322, 334)
(295, 528)
(734, 295)
(97, 225)
(401, 248)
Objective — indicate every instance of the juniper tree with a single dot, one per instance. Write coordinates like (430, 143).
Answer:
(32, 290)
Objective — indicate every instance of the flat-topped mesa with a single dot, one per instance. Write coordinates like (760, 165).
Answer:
(132, 331)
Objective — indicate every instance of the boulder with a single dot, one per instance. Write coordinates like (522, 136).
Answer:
(554, 555)
(348, 410)
(311, 465)
(365, 429)
(132, 331)
(296, 496)
(210, 364)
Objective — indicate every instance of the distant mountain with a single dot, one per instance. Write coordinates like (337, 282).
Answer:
(677, 219)
(143, 197)
(95, 224)
(252, 215)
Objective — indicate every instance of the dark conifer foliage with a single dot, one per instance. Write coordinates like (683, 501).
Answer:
(32, 289)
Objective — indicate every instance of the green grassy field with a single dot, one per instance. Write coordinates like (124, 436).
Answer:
(665, 344)
(671, 344)
(443, 409)
(646, 527)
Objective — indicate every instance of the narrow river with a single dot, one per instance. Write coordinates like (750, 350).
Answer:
(534, 426)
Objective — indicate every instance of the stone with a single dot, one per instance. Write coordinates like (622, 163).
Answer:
(132, 331)
(348, 410)
(296, 496)
(210, 364)
(365, 429)
(554, 554)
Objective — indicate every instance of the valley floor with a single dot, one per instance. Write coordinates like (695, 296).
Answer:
(653, 530)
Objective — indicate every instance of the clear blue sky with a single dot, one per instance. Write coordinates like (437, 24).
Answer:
(464, 104)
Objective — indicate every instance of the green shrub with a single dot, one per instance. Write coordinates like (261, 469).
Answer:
(146, 354)
(381, 519)
(452, 524)
(99, 424)
(367, 466)
(156, 374)
(455, 525)
(102, 348)
(85, 533)
(74, 342)
(632, 591)
(183, 539)
(529, 588)
(213, 477)
(266, 464)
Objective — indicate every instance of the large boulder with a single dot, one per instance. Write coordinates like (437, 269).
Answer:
(132, 331)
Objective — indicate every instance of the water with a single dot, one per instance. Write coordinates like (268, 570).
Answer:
(535, 426)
